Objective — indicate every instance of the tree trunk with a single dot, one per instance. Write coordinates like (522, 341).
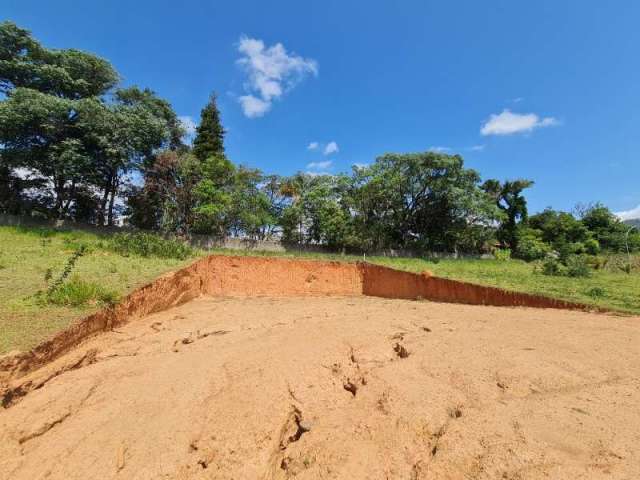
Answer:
(114, 189)
(58, 187)
(103, 202)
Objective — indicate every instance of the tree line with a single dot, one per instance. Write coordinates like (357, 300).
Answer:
(76, 145)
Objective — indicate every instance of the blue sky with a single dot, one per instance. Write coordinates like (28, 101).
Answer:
(547, 90)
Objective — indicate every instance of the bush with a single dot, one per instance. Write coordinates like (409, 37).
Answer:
(502, 254)
(577, 266)
(147, 245)
(596, 292)
(77, 292)
(532, 248)
(592, 246)
(553, 267)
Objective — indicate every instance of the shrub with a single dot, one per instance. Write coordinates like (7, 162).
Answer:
(532, 248)
(592, 246)
(148, 245)
(77, 292)
(598, 262)
(577, 266)
(502, 254)
(552, 266)
(596, 292)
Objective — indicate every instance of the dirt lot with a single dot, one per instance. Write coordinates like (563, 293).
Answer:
(335, 388)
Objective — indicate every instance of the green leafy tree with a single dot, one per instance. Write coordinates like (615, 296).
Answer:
(209, 139)
(424, 201)
(509, 199)
(45, 91)
(57, 121)
(563, 233)
(120, 137)
(213, 197)
(66, 73)
(611, 233)
(40, 132)
(251, 212)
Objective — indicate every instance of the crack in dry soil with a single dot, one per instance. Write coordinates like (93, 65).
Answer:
(13, 395)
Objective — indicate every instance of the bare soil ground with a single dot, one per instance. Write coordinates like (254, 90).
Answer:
(335, 388)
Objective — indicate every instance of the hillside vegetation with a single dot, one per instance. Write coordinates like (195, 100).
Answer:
(33, 260)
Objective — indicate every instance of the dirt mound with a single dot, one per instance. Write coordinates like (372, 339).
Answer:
(334, 387)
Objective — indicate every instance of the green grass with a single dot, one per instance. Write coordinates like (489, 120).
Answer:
(77, 293)
(101, 275)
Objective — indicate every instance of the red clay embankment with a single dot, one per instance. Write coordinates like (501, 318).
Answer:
(390, 283)
(240, 276)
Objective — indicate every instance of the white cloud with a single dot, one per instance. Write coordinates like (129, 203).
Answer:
(439, 149)
(517, 100)
(332, 147)
(508, 123)
(319, 165)
(253, 106)
(313, 146)
(361, 165)
(271, 72)
(318, 174)
(477, 148)
(629, 214)
(189, 126)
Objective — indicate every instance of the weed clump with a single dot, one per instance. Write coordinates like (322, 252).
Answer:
(77, 292)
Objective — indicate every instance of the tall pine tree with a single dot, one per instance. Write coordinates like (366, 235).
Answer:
(209, 139)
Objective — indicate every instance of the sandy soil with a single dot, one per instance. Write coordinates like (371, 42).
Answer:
(335, 388)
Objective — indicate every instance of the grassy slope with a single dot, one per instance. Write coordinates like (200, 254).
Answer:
(25, 255)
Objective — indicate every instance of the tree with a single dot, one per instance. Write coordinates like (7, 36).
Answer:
(67, 73)
(316, 212)
(45, 90)
(251, 212)
(424, 201)
(509, 199)
(563, 233)
(166, 200)
(122, 136)
(213, 197)
(57, 121)
(610, 232)
(209, 140)
(40, 132)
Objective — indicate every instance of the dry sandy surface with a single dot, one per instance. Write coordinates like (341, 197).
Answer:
(336, 388)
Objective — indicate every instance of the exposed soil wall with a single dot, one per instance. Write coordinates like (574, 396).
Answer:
(231, 276)
(389, 283)
(238, 276)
